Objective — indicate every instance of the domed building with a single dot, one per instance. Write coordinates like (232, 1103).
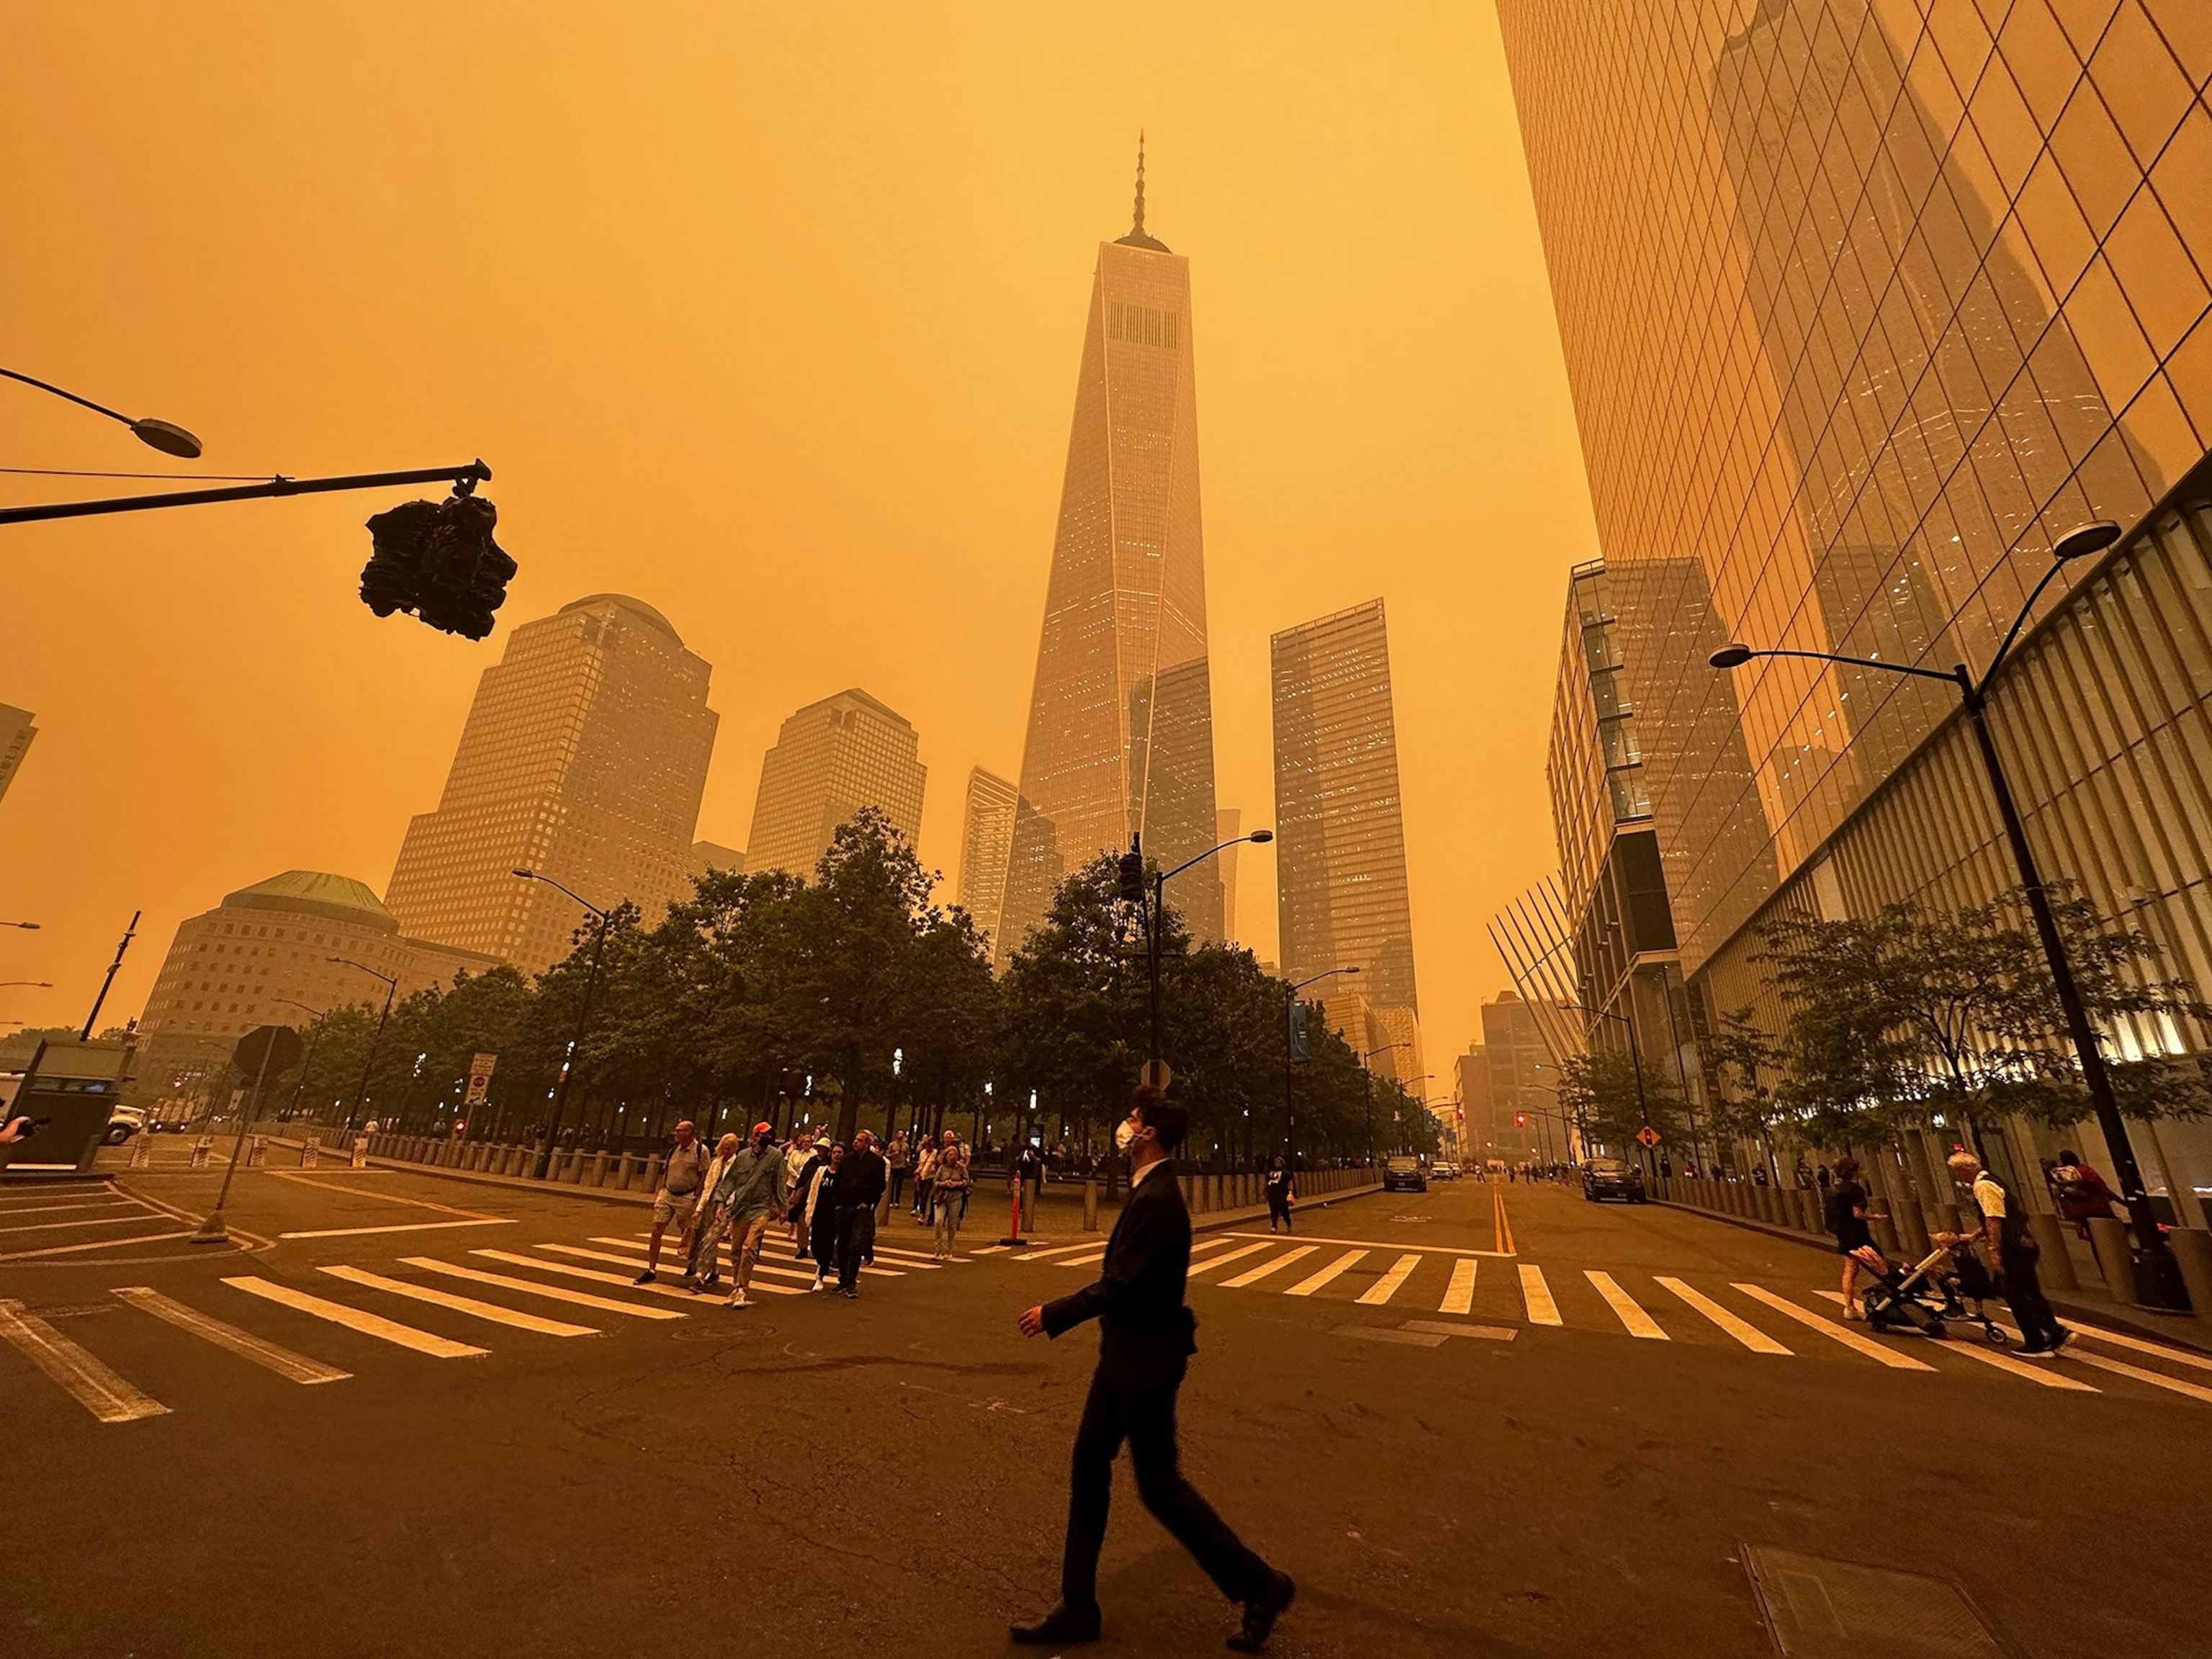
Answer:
(263, 956)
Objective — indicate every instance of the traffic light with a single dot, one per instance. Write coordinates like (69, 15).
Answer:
(1132, 874)
(438, 560)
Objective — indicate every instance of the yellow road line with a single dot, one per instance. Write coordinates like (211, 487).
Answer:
(1741, 1329)
(402, 1227)
(2120, 1368)
(1542, 1310)
(90, 1382)
(1834, 1332)
(1313, 1282)
(293, 1367)
(1225, 1258)
(1459, 1295)
(466, 1304)
(554, 1293)
(1379, 1293)
(354, 1319)
(1504, 1236)
(1260, 1272)
(1639, 1323)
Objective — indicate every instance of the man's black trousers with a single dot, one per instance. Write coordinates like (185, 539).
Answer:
(856, 1238)
(1143, 1415)
(2023, 1294)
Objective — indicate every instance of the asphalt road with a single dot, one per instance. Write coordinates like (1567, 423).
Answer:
(1388, 1415)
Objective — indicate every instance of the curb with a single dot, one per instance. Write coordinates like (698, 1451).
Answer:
(2103, 1315)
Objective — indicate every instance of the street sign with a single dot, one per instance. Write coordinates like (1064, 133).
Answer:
(1648, 1135)
(1156, 1073)
(479, 1079)
(270, 1050)
(1301, 1045)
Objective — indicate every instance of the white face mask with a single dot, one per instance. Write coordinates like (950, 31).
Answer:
(1124, 1132)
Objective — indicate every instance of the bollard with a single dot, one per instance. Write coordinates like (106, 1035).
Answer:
(1911, 1226)
(360, 1151)
(631, 1163)
(2109, 1235)
(2192, 1249)
(142, 1152)
(256, 1152)
(201, 1150)
(307, 1150)
(653, 1168)
(597, 1175)
(2055, 1267)
(1091, 1206)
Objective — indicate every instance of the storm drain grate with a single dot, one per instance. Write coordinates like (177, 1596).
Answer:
(1819, 1608)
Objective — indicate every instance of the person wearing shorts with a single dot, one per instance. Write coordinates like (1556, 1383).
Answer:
(676, 1203)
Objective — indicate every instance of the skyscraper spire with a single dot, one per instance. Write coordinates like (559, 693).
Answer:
(1138, 237)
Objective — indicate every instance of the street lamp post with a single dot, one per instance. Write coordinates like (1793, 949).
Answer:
(308, 1064)
(164, 436)
(583, 1014)
(2163, 1288)
(391, 990)
(1369, 1092)
(1290, 1061)
(1133, 865)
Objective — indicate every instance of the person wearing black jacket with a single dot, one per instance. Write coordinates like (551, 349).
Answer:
(857, 1189)
(1145, 1339)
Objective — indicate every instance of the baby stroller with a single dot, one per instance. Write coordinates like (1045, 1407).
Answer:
(1923, 1298)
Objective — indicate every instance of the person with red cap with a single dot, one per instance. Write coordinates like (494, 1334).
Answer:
(752, 1188)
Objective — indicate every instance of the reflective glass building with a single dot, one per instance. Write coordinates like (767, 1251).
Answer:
(830, 759)
(1864, 304)
(1120, 727)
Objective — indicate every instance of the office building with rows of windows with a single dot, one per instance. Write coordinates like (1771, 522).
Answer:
(830, 759)
(1865, 305)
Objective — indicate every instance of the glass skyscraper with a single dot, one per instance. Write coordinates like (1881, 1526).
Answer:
(584, 758)
(1865, 303)
(830, 759)
(1121, 728)
(985, 842)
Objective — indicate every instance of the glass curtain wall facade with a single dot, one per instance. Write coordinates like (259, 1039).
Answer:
(584, 757)
(1864, 304)
(1120, 727)
(830, 759)
(986, 842)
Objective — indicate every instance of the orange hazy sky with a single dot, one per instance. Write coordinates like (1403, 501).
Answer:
(768, 313)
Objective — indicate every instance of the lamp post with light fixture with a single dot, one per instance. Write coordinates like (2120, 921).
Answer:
(1290, 1065)
(583, 1013)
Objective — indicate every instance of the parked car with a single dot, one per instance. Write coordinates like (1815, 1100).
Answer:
(123, 1123)
(1404, 1173)
(1441, 1171)
(1610, 1177)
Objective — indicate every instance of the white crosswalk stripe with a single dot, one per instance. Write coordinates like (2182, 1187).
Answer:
(1741, 1329)
(636, 1263)
(1379, 1293)
(567, 1271)
(1542, 1310)
(1631, 1314)
(766, 1264)
(294, 1367)
(552, 1292)
(90, 1382)
(1310, 1285)
(1257, 1273)
(355, 1319)
(1459, 1295)
(1225, 1258)
(512, 1317)
(1835, 1333)
(2121, 1367)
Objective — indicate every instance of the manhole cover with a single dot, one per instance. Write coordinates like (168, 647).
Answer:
(1818, 1608)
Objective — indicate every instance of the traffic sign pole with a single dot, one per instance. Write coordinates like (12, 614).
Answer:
(256, 1050)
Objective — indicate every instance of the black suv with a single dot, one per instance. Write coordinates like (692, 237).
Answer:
(1402, 1174)
(1609, 1177)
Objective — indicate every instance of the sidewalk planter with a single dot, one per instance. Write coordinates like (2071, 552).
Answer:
(1912, 1227)
(2108, 1236)
(2055, 1269)
(2192, 1249)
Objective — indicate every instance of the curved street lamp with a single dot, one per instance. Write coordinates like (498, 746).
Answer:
(41, 984)
(391, 990)
(1289, 1057)
(1133, 877)
(33, 926)
(2163, 1282)
(583, 1013)
(164, 436)
(306, 1065)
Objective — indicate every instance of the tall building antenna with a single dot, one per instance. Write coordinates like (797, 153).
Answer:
(1138, 228)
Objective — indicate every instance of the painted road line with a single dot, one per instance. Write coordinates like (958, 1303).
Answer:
(1829, 1328)
(1225, 1258)
(1370, 1243)
(1091, 1260)
(1459, 1295)
(1486, 1333)
(763, 1265)
(2034, 1373)
(1379, 1293)
(382, 1198)
(992, 1249)
(1639, 1323)
(99, 1244)
(1501, 1228)
(2156, 1350)
(94, 1387)
(554, 1292)
(1260, 1272)
(1542, 1310)
(293, 1367)
(465, 1304)
(56, 1226)
(401, 1227)
(56, 1209)
(908, 1258)
(1030, 1254)
(1742, 1330)
(1314, 1282)
(591, 1274)
(2120, 1368)
(368, 1324)
(632, 1261)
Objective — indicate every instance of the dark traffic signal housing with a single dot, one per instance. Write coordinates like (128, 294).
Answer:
(438, 560)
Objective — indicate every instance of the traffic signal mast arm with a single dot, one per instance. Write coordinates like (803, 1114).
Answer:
(474, 473)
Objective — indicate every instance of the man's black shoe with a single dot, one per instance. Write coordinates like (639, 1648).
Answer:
(1259, 1616)
(1062, 1623)
(645, 1277)
(2060, 1341)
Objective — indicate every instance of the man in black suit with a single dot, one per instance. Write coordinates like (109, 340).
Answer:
(1146, 1337)
(856, 1191)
